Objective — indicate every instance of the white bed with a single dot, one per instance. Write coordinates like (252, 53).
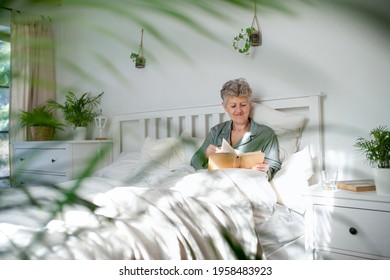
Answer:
(151, 204)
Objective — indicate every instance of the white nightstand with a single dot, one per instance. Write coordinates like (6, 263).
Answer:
(347, 224)
(51, 162)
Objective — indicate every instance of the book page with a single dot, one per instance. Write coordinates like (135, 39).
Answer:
(226, 148)
(359, 183)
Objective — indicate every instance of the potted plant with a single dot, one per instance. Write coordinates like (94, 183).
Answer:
(41, 121)
(78, 111)
(250, 36)
(139, 58)
(377, 152)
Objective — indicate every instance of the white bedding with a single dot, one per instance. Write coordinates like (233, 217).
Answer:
(182, 218)
(150, 210)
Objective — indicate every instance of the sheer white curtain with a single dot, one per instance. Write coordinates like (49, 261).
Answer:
(32, 67)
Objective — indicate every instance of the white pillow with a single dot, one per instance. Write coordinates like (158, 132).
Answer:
(287, 126)
(121, 168)
(190, 145)
(166, 152)
(291, 180)
(162, 162)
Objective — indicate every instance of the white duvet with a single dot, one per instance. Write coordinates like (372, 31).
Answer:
(201, 215)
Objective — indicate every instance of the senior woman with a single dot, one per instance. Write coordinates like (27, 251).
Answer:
(243, 134)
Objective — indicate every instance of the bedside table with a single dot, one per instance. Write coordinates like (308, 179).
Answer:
(52, 162)
(347, 225)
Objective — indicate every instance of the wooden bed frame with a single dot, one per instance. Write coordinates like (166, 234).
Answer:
(129, 130)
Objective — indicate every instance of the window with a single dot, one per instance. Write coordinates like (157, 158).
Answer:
(5, 51)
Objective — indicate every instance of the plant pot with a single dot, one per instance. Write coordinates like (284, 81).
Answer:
(382, 180)
(80, 133)
(41, 133)
(255, 38)
(140, 62)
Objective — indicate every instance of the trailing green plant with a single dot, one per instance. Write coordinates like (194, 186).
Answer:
(41, 115)
(241, 42)
(78, 111)
(377, 147)
(134, 56)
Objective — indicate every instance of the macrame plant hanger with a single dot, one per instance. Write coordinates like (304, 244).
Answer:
(140, 61)
(255, 37)
(139, 58)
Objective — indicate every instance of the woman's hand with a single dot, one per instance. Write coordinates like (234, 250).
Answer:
(264, 167)
(211, 149)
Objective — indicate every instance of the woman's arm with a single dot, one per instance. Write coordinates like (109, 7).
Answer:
(210, 145)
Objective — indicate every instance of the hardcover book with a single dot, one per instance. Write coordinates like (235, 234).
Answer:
(357, 185)
(230, 158)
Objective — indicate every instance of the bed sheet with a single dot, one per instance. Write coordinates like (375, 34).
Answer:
(284, 225)
(190, 213)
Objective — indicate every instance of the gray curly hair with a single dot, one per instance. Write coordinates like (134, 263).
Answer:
(238, 88)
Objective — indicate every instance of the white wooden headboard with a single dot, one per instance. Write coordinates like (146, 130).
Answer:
(130, 130)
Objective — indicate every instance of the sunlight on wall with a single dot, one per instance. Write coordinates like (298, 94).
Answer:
(336, 159)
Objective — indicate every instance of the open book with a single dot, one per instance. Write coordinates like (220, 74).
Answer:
(230, 158)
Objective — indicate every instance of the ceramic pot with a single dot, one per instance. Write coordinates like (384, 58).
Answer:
(80, 133)
(140, 62)
(255, 38)
(382, 180)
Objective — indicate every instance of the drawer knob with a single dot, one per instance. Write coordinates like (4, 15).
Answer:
(53, 160)
(353, 230)
(21, 159)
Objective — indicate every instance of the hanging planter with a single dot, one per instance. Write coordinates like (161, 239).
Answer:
(250, 36)
(139, 58)
(255, 37)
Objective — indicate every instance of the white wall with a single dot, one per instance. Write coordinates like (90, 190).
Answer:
(318, 48)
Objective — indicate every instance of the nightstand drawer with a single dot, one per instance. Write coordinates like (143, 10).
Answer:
(43, 159)
(52, 162)
(38, 179)
(352, 229)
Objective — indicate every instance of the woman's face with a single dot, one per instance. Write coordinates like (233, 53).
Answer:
(238, 109)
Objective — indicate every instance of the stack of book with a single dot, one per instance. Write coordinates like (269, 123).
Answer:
(357, 185)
